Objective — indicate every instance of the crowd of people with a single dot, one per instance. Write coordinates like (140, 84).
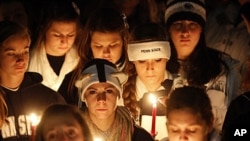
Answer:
(118, 70)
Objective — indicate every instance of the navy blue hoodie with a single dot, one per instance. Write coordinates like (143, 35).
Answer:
(31, 97)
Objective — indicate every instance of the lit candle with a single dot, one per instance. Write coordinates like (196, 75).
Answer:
(97, 139)
(34, 121)
(154, 102)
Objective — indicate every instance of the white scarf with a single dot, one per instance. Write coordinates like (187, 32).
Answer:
(39, 63)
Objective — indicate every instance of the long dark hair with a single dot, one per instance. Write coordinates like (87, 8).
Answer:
(104, 20)
(201, 66)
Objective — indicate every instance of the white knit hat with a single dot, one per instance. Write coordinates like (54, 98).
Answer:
(97, 71)
(185, 10)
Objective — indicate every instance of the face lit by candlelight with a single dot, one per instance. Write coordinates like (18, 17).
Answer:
(151, 72)
(107, 45)
(60, 37)
(101, 100)
(185, 125)
(14, 56)
(60, 128)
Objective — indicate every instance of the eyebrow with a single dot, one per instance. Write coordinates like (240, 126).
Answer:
(9, 49)
(115, 42)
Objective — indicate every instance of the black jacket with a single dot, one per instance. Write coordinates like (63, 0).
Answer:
(31, 97)
(237, 117)
(72, 96)
(140, 134)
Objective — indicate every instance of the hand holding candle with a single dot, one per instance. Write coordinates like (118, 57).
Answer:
(153, 100)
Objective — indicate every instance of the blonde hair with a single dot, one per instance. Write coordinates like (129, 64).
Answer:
(3, 109)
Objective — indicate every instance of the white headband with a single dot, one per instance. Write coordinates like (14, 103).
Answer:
(148, 50)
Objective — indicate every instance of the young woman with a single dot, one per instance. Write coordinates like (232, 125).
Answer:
(193, 63)
(100, 87)
(54, 53)
(190, 116)
(105, 36)
(62, 122)
(148, 53)
(22, 91)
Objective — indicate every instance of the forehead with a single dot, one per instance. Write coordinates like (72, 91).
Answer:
(161, 63)
(61, 26)
(57, 120)
(101, 85)
(103, 36)
(16, 42)
(185, 21)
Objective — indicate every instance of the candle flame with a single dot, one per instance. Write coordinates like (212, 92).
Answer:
(34, 119)
(97, 139)
(153, 99)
